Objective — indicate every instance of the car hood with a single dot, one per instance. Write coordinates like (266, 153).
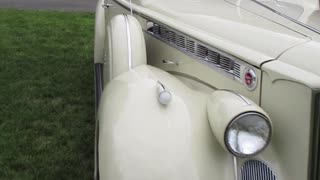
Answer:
(244, 34)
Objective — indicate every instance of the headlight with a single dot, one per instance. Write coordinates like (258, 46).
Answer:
(248, 134)
(241, 127)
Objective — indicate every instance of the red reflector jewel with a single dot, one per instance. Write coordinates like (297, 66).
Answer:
(250, 78)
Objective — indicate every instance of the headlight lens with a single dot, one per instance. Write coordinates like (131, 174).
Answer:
(248, 134)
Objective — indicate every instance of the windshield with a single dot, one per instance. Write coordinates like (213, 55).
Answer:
(303, 12)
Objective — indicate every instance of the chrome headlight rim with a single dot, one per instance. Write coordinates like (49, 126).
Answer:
(234, 121)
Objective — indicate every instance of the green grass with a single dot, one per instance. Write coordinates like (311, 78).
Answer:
(46, 95)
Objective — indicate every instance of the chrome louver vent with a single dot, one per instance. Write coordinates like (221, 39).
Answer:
(202, 51)
(213, 57)
(236, 69)
(191, 45)
(163, 32)
(181, 41)
(156, 29)
(255, 169)
(225, 63)
(196, 49)
(172, 37)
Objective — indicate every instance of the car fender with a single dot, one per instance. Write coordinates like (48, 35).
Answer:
(142, 139)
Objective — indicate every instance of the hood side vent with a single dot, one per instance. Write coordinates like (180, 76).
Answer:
(209, 55)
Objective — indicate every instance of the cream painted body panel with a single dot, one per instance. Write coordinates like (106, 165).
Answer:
(145, 140)
(313, 19)
(289, 105)
(123, 32)
(304, 64)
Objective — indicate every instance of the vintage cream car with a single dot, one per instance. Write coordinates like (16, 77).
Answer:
(207, 89)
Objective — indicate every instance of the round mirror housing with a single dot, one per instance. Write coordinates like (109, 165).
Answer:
(241, 127)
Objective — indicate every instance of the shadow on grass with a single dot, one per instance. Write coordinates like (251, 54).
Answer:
(46, 95)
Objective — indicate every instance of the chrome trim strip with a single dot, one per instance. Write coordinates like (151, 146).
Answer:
(289, 18)
(243, 98)
(235, 167)
(193, 78)
(129, 41)
(164, 61)
(163, 87)
(237, 94)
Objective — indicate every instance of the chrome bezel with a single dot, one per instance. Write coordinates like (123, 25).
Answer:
(254, 76)
(237, 118)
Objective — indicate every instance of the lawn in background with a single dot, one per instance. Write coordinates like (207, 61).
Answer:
(46, 95)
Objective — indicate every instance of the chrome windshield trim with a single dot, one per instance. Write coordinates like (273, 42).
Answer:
(288, 17)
